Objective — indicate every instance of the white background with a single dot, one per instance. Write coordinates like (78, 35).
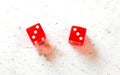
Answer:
(100, 56)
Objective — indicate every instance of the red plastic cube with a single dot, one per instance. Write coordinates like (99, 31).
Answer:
(36, 33)
(77, 35)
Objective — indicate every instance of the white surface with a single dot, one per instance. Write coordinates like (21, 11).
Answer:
(101, 18)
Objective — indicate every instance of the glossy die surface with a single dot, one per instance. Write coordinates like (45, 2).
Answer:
(77, 35)
(36, 33)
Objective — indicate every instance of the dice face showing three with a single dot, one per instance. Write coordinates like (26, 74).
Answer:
(36, 33)
(77, 35)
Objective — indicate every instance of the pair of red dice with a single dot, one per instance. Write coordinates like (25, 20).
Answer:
(37, 34)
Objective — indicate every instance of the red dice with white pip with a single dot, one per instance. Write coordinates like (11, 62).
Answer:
(38, 38)
(77, 35)
(36, 33)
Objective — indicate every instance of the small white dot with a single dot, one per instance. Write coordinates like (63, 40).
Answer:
(77, 33)
(33, 37)
(80, 38)
(74, 29)
(37, 26)
(43, 38)
(35, 32)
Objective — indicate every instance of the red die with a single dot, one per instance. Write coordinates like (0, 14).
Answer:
(36, 33)
(77, 35)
